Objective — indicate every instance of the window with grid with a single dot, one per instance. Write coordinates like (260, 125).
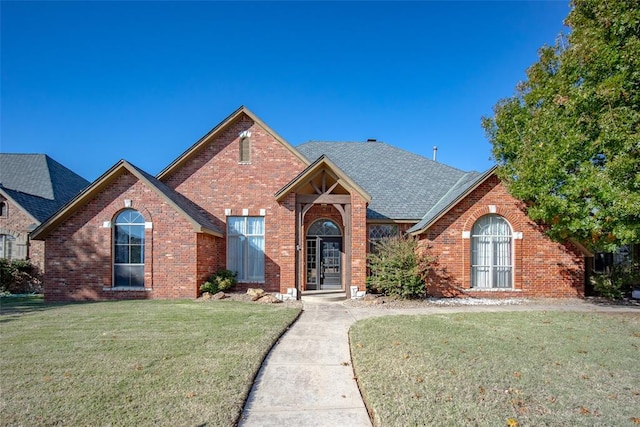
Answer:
(128, 249)
(491, 253)
(378, 232)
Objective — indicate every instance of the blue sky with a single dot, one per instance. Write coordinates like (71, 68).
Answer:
(89, 83)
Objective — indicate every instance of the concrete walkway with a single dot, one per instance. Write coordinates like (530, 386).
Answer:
(307, 378)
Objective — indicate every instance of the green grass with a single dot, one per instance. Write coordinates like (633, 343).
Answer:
(132, 362)
(492, 369)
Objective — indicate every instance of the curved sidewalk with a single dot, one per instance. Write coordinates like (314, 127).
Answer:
(307, 378)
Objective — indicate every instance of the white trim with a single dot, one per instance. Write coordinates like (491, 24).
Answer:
(245, 212)
(148, 225)
(126, 289)
(466, 234)
(493, 209)
(227, 212)
(263, 212)
(106, 224)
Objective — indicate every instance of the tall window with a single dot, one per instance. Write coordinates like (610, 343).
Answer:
(128, 249)
(491, 253)
(6, 246)
(245, 247)
(3, 208)
(245, 149)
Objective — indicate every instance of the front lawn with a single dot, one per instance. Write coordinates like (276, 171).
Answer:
(132, 362)
(499, 369)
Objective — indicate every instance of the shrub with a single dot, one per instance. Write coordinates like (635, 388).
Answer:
(399, 267)
(619, 282)
(19, 277)
(221, 280)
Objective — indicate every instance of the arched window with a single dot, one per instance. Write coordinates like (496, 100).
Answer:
(491, 253)
(128, 249)
(324, 227)
(3, 208)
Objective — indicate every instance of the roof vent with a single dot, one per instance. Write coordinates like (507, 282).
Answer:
(372, 140)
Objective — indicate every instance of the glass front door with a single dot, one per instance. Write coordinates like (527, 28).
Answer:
(324, 263)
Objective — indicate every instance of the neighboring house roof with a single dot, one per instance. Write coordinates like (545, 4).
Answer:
(202, 142)
(322, 162)
(402, 185)
(200, 221)
(37, 183)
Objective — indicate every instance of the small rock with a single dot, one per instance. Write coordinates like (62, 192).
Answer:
(255, 293)
(206, 295)
(218, 296)
(268, 299)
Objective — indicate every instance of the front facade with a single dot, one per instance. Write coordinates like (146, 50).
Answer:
(291, 220)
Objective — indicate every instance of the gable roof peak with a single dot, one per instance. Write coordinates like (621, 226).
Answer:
(200, 222)
(217, 130)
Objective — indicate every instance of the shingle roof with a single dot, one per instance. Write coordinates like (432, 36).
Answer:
(466, 182)
(39, 184)
(200, 221)
(402, 185)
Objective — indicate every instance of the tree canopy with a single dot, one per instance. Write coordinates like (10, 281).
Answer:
(568, 141)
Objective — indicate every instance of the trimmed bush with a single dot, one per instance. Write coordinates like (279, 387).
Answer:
(221, 280)
(399, 268)
(19, 277)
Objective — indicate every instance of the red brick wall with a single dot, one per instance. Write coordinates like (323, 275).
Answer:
(359, 242)
(542, 268)
(209, 256)
(215, 180)
(16, 223)
(79, 260)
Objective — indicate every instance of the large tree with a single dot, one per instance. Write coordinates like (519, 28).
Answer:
(568, 142)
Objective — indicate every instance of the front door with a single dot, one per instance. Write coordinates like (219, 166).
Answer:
(324, 263)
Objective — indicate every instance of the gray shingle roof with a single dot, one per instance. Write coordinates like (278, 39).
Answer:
(38, 183)
(467, 181)
(402, 185)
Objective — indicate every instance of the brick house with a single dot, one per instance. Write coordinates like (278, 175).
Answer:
(32, 188)
(293, 220)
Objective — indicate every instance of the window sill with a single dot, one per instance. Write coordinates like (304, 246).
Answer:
(494, 290)
(127, 289)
